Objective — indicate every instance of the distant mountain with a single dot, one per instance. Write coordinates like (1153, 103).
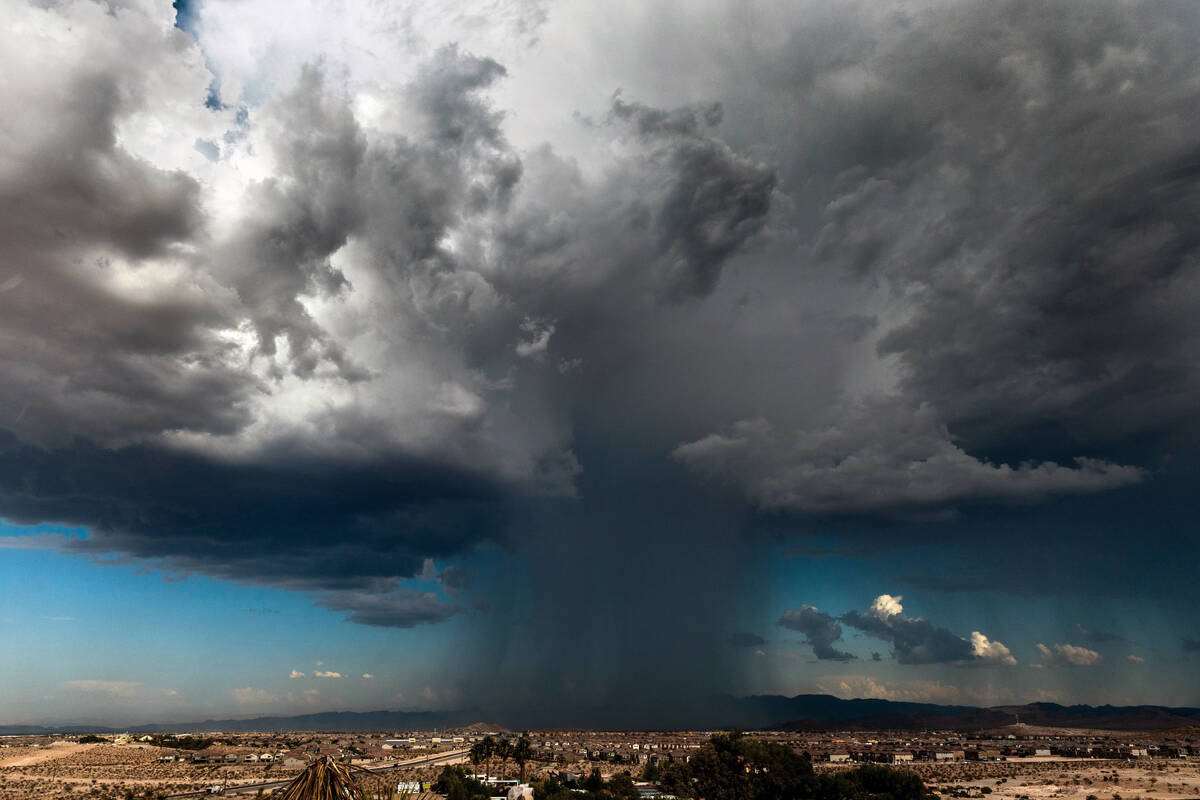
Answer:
(806, 712)
(324, 722)
(815, 713)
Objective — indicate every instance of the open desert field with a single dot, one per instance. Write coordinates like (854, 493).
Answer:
(1032, 779)
(61, 771)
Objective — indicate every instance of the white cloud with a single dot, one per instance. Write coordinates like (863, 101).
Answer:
(1069, 655)
(368, 676)
(296, 674)
(991, 652)
(885, 605)
(322, 674)
(1136, 659)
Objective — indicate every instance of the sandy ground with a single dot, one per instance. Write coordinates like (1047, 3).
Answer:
(1066, 780)
(69, 771)
(30, 756)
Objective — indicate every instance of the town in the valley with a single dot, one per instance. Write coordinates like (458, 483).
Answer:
(1013, 763)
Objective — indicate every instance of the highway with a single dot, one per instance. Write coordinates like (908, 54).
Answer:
(447, 757)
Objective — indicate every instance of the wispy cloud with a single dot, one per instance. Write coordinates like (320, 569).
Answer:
(113, 689)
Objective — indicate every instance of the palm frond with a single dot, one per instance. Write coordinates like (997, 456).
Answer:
(325, 779)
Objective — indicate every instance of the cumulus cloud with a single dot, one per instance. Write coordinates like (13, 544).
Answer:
(1069, 655)
(820, 631)
(1133, 658)
(367, 676)
(987, 651)
(296, 674)
(917, 641)
(885, 457)
(326, 674)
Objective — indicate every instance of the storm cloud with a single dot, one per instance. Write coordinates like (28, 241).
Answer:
(398, 291)
(916, 640)
(820, 630)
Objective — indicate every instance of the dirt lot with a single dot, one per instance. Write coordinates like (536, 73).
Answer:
(1043, 779)
(67, 771)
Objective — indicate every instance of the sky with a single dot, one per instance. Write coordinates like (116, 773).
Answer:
(519, 354)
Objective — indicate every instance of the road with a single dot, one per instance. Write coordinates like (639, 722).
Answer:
(425, 761)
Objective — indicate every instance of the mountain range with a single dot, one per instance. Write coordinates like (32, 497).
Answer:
(806, 712)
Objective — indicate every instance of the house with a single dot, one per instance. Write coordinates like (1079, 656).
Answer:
(839, 758)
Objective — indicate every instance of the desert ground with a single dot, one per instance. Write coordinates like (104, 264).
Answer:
(1043, 779)
(45, 768)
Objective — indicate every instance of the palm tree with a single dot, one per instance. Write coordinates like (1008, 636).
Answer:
(488, 748)
(478, 754)
(522, 752)
(504, 751)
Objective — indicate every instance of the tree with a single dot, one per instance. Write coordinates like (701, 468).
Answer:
(594, 783)
(477, 755)
(871, 782)
(487, 749)
(551, 789)
(457, 785)
(522, 753)
(734, 767)
(621, 786)
(503, 750)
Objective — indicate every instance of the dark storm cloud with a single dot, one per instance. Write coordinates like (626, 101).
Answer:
(918, 641)
(401, 609)
(883, 458)
(295, 523)
(123, 321)
(903, 243)
(318, 383)
(988, 169)
(820, 630)
(1050, 275)
(746, 640)
(914, 641)
(717, 201)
